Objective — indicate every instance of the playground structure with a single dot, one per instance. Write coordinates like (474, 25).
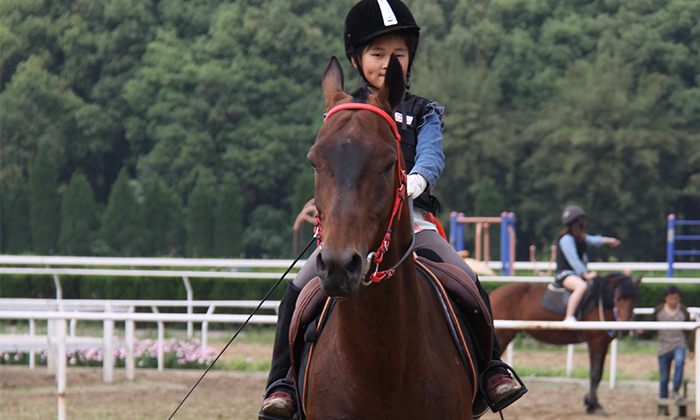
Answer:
(507, 221)
(552, 261)
(671, 239)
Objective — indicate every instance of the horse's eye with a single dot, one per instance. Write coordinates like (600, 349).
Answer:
(388, 168)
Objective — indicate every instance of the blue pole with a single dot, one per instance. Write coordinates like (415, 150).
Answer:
(511, 223)
(453, 229)
(504, 243)
(670, 242)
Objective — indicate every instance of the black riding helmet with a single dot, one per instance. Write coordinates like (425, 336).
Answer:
(370, 19)
(571, 214)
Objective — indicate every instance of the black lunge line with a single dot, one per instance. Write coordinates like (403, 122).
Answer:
(244, 324)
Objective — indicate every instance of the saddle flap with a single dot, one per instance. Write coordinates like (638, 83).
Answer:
(309, 304)
(463, 290)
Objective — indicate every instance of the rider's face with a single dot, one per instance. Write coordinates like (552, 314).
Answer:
(375, 59)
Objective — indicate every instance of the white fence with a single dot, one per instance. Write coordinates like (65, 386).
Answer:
(60, 311)
(62, 339)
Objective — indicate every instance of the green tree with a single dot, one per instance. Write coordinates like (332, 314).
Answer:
(228, 218)
(200, 220)
(16, 227)
(164, 219)
(122, 228)
(268, 234)
(78, 217)
(44, 202)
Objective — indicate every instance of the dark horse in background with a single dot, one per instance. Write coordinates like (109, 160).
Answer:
(381, 353)
(522, 301)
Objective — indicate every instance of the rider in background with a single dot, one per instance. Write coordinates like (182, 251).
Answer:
(572, 259)
(374, 30)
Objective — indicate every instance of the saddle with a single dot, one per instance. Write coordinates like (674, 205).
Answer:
(466, 314)
(555, 298)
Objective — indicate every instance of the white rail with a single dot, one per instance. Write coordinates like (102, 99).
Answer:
(62, 316)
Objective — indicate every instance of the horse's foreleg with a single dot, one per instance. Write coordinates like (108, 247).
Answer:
(597, 350)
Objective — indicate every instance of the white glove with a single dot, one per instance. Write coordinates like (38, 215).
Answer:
(415, 185)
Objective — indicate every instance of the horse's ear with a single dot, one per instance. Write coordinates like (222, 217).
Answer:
(333, 82)
(392, 91)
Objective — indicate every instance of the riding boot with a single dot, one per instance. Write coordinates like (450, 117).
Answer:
(276, 405)
(498, 389)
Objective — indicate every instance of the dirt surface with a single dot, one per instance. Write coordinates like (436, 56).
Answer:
(26, 394)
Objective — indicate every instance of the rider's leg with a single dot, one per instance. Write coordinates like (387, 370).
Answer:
(578, 288)
(279, 398)
(500, 385)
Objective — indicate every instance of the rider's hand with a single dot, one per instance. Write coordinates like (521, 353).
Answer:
(590, 275)
(613, 242)
(415, 185)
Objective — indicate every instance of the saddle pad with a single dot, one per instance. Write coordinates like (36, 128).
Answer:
(469, 303)
(555, 298)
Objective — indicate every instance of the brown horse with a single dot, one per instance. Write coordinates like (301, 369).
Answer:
(521, 301)
(381, 355)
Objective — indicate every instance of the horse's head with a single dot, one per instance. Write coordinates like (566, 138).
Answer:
(626, 294)
(356, 175)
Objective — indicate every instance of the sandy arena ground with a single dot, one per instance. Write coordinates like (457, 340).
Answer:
(26, 394)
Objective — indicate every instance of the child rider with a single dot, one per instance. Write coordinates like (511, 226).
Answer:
(374, 30)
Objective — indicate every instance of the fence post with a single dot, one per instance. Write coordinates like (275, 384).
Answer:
(569, 360)
(613, 363)
(205, 328)
(161, 337)
(190, 298)
(61, 368)
(108, 353)
(32, 353)
(129, 361)
(670, 242)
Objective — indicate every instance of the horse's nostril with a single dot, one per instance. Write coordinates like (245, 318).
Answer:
(321, 266)
(354, 266)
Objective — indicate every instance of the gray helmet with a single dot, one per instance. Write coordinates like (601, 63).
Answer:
(571, 214)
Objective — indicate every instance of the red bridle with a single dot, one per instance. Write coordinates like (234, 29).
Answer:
(378, 256)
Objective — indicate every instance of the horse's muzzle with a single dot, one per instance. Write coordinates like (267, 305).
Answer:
(340, 273)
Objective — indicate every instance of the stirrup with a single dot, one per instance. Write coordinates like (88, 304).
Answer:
(275, 386)
(505, 402)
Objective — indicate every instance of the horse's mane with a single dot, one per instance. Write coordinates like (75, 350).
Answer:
(626, 286)
(360, 95)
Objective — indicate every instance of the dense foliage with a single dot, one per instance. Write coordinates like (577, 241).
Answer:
(548, 103)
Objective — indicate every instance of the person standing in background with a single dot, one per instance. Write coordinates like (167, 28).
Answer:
(672, 343)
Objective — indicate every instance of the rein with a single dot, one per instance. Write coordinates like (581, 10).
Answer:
(378, 255)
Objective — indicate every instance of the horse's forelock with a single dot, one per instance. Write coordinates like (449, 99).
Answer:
(360, 95)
